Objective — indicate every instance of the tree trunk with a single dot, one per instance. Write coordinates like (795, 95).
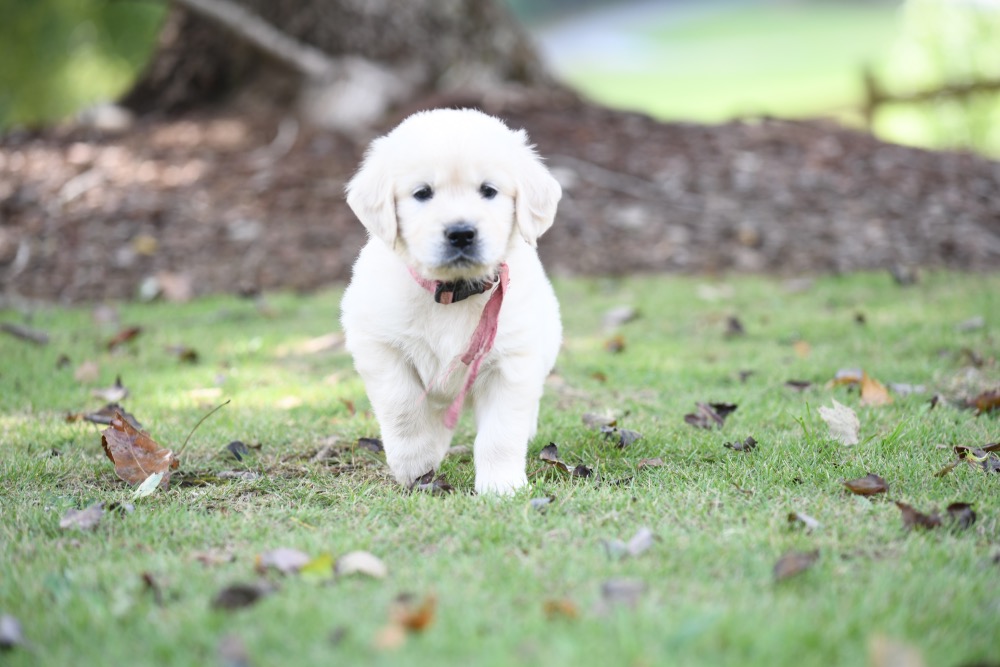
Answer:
(431, 45)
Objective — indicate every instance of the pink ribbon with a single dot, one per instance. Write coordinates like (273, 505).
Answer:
(481, 342)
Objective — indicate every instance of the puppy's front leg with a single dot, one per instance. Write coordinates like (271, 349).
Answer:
(506, 419)
(413, 432)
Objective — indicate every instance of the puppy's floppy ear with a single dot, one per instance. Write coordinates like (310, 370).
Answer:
(538, 194)
(370, 195)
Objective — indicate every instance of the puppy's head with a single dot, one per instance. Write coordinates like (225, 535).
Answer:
(450, 190)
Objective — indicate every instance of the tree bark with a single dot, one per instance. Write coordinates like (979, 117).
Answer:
(427, 45)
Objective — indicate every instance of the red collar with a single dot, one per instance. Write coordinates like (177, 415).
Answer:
(486, 331)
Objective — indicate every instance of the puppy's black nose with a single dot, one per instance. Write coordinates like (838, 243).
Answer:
(461, 235)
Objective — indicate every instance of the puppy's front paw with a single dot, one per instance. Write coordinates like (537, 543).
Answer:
(499, 482)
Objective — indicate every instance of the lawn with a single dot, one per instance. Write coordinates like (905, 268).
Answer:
(781, 59)
(497, 582)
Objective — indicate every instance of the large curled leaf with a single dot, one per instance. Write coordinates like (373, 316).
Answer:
(136, 456)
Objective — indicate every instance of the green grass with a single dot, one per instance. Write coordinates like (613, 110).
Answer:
(782, 59)
(720, 516)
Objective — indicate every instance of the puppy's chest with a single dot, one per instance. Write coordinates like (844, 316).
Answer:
(438, 338)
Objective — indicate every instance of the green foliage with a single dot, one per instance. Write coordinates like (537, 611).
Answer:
(134, 591)
(57, 56)
(941, 43)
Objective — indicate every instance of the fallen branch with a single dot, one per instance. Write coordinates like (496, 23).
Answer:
(24, 333)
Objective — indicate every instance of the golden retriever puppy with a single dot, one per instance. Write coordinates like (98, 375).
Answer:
(448, 304)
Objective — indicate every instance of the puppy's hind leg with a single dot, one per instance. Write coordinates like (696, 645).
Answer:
(413, 433)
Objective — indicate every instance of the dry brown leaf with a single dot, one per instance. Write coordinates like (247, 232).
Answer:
(136, 456)
(804, 519)
(915, 519)
(87, 372)
(987, 401)
(550, 454)
(962, 514)
(560, 608)
(869, 485)
(793, 563)
(598, 422)
(710, 415)
(412, 614)
(655, 462)
(745, 446)
(615, 344)
(123, 336)
(873, 392)
(237, 596)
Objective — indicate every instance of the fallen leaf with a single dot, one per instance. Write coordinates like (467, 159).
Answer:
(214, 557)
(596, 421)
(873, 392)
(915, 519)
(618, 316)
(625, 592)
(11, 634)
(361, 562)
(905, 389)
(961, 514)
(710, 415)
(746, 375)
(104, 416)
(319, 568)
(988, 401)
(24, 333)
(655, 462)
(153, 586)
(615, 344)
(747, 445)
(371, 444)
(540, 504)
(886, 652)
(843, 422)
(560, 608)
(802, 349)
(282, 559)
(640, 542)
(237, 596)
(237, 449)
(869, 485)
(581, 471)
(624, 436)
(734, 327)
(85, 519)
(798, 385)
(87, 372)
(183, 353)
(804, 519)
(550, 454)
(411, 614)
(148, 486)
(125, 335)
(793, 563)
(136, 456)
(984, 457)
(431, 484)
(847, 377)
(112, 394)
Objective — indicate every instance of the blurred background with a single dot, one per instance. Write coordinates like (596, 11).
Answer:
(918, 72)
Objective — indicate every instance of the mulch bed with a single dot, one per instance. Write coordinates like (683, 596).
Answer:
(239, 203)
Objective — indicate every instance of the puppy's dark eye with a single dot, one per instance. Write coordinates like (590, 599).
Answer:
(487, 191)
(423, 193)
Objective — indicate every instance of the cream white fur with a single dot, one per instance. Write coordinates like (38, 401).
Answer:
(402, 341)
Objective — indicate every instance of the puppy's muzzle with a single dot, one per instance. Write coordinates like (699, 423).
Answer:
(460, 236)
(460, 244)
